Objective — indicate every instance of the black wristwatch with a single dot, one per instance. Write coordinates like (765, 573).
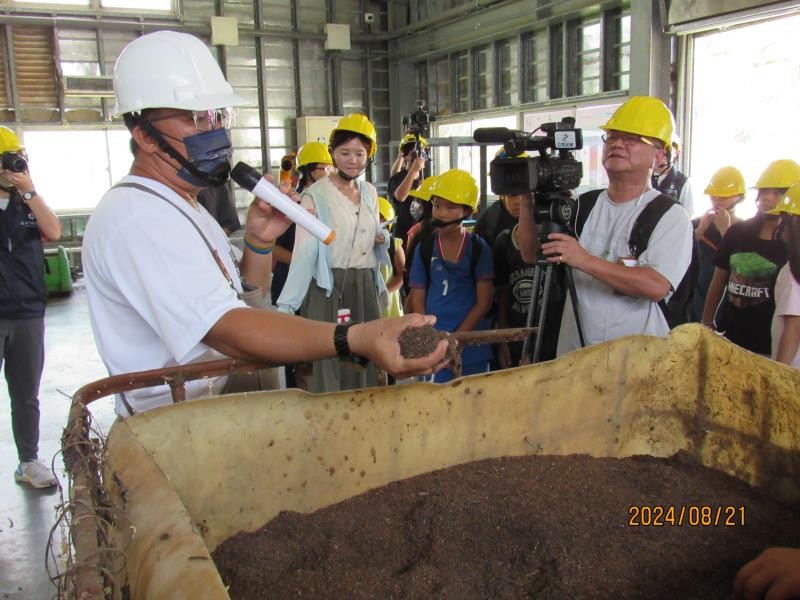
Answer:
(343, 347)
(28, 196)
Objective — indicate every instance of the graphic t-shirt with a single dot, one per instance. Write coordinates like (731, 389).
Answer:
(745, 312)
(512, 272)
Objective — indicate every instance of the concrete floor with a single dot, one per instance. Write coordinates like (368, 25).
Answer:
(26, 514)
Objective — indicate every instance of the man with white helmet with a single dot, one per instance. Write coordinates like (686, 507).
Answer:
(620, 283)
(164, 286)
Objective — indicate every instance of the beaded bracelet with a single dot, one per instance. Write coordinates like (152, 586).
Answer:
(258, 248)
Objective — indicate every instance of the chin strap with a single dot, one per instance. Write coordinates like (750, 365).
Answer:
(440, 223)
(165, 146)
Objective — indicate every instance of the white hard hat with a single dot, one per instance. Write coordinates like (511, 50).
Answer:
(167, 69)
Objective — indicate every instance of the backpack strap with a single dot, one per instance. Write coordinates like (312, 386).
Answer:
(643, 228)
(476, 254)
(646, 222)
(585, 204)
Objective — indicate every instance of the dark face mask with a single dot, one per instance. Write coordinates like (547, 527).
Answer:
(209, 158)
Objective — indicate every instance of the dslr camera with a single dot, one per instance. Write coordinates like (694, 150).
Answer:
(418, 123)
(15, 161)
(551, 176)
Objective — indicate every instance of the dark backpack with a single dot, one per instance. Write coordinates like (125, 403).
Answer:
(426, 254)
(677, 309)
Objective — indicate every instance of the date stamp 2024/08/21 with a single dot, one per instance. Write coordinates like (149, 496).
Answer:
(692, 515)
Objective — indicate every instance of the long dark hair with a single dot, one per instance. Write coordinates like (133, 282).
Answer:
(792, 225)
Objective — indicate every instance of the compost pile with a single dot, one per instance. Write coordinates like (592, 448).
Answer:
(525, 527)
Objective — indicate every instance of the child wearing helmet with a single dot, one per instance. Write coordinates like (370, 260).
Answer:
(740, 300)
(452, 271)
(392, 273)
(341, 282)
(726, 191)
(786, 320)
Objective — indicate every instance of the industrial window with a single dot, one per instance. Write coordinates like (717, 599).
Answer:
(148, 5)
(461, 78)
(483, 83)
(587, 38)
(618, 51)
(534, 73)
(555, 87)
(507, 61)
(745, 94)
(105, 158)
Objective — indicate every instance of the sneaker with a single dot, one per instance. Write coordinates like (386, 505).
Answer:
(34, 473)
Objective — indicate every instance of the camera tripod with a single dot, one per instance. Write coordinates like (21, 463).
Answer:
(542, 288)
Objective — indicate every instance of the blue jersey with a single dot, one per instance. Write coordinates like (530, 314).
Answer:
(452, 292)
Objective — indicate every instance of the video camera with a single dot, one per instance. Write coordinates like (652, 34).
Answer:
(551, 176)
(418, 124)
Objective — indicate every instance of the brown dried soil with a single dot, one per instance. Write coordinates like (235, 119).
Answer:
(524, 527)
(416, 342)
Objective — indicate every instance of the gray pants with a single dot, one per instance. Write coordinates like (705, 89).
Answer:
(22, 348)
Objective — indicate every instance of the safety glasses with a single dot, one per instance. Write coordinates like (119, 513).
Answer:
(626, 138)
(204, 120)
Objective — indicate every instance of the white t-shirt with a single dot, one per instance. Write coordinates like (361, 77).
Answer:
(154, 288)
(787, 303)
(605, 313)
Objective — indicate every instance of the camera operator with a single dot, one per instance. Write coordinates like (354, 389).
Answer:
(618, 292)
(24, 220)
(407, 178)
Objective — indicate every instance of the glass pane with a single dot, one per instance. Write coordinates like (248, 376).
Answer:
(625, 28)
(55, 177)
(590, 36)
(590, 65)
(757, 59)
(72, 2)
(165, 5)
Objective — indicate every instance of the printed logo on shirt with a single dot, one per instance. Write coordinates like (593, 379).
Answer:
(751, 280)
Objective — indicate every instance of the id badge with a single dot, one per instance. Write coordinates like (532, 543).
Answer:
(343, 316)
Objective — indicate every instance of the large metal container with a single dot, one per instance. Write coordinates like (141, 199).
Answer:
(184, 478)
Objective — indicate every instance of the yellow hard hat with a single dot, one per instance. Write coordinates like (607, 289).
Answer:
(409, 138)
(458, 187)
(423, 192)
(726, 182)
(361, 124)
(385, 209)
(9, 142)
(643, 115)
(314, 153)
(789, 204)
(779, 174)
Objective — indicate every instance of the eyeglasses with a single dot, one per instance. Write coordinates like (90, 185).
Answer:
(626, 138)
(205, 120)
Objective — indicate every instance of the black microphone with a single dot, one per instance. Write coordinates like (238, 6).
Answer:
(497, 135)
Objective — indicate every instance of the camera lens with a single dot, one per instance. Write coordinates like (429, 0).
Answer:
(14, 162)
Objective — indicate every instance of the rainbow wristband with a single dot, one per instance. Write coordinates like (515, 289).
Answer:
(258, 248)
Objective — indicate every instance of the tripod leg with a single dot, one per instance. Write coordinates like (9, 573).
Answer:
(532, 308)
(548, 278)
(574, 299)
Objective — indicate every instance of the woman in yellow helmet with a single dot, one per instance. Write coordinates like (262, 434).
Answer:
(740, 300)
(341, 282)
(726, 191)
